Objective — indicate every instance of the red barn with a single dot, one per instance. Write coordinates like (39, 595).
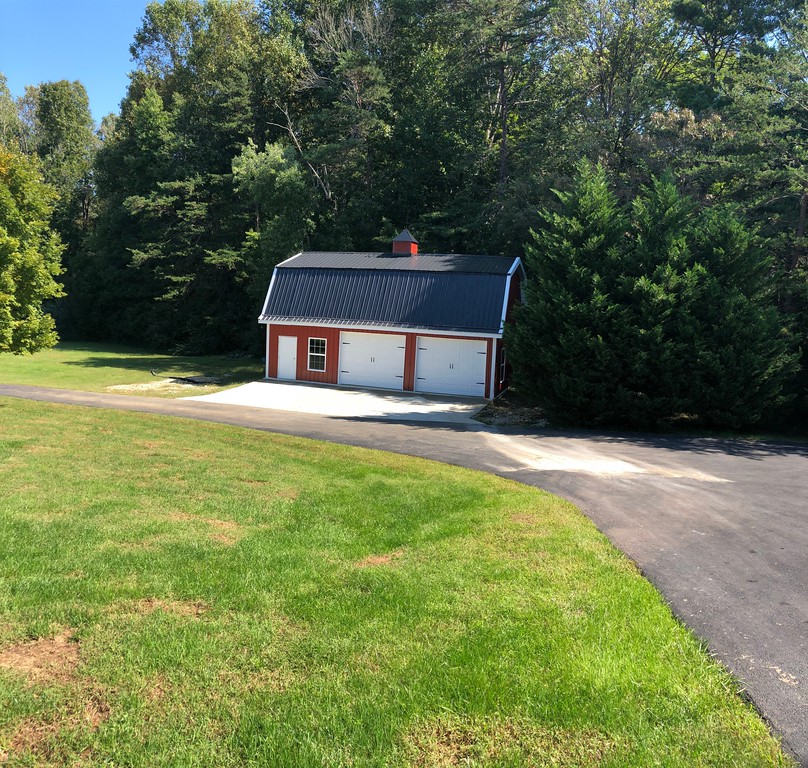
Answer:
(417, 322)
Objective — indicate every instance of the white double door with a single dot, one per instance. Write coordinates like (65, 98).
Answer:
(372, 360)
(451, 366)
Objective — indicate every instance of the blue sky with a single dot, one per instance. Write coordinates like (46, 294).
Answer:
(86, 40)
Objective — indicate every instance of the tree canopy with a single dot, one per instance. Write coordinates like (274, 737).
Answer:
(253, 128)
(642, 312)
(29, 256)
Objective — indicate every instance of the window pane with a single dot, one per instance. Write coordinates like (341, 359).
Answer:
(316, 354)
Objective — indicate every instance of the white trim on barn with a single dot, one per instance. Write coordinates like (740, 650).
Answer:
(286, 261)
(266, 351)
(516, 265)
(269, 290)
(380, 328)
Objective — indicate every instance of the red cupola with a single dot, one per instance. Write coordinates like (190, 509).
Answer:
(404, 242)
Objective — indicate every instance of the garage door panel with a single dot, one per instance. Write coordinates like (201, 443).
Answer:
(451, 366)
(372, 360)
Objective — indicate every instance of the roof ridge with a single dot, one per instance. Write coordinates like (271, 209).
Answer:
(417, 255)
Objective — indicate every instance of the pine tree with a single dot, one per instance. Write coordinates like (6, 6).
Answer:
(642, 312)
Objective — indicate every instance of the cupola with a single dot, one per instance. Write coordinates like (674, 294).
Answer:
(404, 242)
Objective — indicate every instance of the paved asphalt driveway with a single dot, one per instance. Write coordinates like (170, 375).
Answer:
(720, 527)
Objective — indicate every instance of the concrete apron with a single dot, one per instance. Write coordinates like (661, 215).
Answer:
(347, 403)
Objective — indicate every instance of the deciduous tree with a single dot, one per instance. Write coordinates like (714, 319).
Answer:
(29, 256)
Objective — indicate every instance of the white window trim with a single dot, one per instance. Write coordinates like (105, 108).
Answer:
(324, 354)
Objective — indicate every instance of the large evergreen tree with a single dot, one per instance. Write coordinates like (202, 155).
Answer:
(64, 139)
(164, 265)
(640, 313)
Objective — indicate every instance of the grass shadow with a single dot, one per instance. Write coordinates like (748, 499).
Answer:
(234, 369)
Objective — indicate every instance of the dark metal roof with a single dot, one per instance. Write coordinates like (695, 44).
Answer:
(405, 237)
(440, 291)
(419, 262)
(448, 300)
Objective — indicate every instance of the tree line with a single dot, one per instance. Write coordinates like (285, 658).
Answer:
(253, 128)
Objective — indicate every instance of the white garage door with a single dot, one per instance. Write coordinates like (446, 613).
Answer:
(372, 360)
(451, 366)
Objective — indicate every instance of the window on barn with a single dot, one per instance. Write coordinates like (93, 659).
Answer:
(316, 354)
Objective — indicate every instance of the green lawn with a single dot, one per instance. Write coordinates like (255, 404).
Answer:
(97, 367)
(174, 593)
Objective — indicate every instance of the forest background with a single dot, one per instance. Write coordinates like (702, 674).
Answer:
(252, 129)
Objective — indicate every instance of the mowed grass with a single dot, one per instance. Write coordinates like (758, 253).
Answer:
(174, 593)
(95, 367)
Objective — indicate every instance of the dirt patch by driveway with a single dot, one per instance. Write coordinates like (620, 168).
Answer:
(44, 660)
(226, 532)
(373, 560)
(42, 736)
(47, 661)
(453, 741)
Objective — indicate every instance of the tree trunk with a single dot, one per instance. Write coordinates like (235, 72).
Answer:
(503, 139)
(792, 262)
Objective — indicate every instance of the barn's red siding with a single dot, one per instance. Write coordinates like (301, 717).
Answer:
(409, 362)
(514, 295)
(303, 334)
(489, 347)
(332, 336)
